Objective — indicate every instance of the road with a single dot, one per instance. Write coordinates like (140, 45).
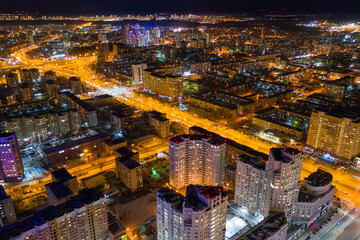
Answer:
(340, 228)
(352, 231)
(347, 184)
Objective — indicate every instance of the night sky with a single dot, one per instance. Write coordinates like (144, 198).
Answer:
(183, 6)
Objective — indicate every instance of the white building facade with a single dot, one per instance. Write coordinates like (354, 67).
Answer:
(252, 186)
(315, 197)
(283, 170)
(196, 159)
(200, 215)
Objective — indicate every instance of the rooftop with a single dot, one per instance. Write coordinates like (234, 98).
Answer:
(284, 154)
(193, 197)
(85, 196)
(223, 99)
(266, 228)
(78, 101)
(104, 96)
(212, 139)
(115, 227)
(128, 162)
(319, 178)
(75, 141)
(125, 151)
(210, 191)
(247, 150)
(255, 162)
(59, 189)
(113, 142)
(6, 136)
(305, 196)
(61, 175)
(171, 197)
(158, 115)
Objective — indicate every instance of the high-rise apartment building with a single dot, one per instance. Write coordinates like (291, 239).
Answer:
(196, 159)
(283, 171)
(159, 124)
(51, 88)
(50, 75)
(42, 125)
(82, 217)
(12, 79)
(29, 75)
(137, 72)
(201, 214)
(335, 134)
(7, 212)
(125, 29)
(30, 35)
(115, 50)
(103, 52)
(75, 85)
(11, 167)
(252, 185)
(26, 92)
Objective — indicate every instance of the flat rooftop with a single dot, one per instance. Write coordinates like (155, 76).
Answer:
(128, 162)
(61, 175)
(283, 154)
(214, 140)
(266, 228)
(255, 162)
(73, 141)
(59, 189)
(229, 142)
(170, 196)
(319, 178)
(223, 99)
(78, 101)
(125, 151)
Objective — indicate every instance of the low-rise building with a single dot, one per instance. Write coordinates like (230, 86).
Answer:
(315, 197)
(129, 172)
(225, 104)
(159, 124)
(63, 187)
(112, 145)
(274, 227)
(126, 152)
(76, 147)
(292, 124)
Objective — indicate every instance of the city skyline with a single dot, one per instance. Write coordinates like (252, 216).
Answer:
(160, 6)
(180, 126)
